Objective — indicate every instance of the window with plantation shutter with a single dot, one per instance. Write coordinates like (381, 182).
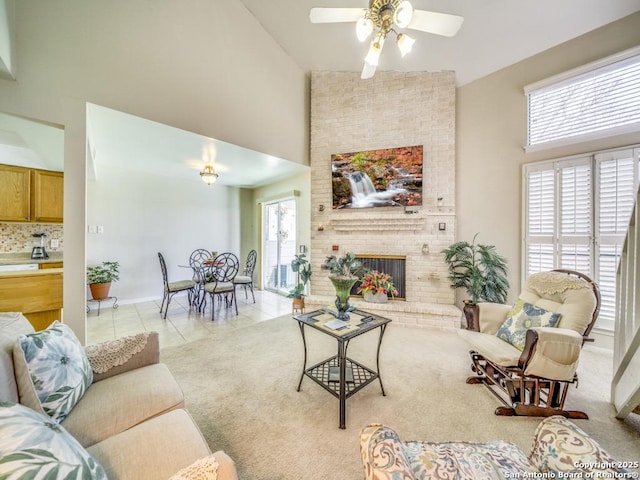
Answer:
(617, 183)
(594, 101)
(576, 214)
(540, 200)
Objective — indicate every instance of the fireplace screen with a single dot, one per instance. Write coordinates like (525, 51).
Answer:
(393, 265)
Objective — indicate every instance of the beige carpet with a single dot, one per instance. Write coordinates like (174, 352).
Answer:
(240, 387)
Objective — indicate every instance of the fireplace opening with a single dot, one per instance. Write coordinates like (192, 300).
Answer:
(392, 265)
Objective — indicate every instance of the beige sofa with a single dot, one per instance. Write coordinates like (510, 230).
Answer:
(131, 419)
(560, 450)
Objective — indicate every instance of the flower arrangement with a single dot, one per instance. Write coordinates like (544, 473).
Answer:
(377, 282)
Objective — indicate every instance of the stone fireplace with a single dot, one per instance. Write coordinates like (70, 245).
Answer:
(388, 111)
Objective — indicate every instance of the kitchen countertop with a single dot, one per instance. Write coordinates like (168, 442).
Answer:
(32, 273)
(23, 258)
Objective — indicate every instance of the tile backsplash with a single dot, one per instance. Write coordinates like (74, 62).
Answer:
(17, 237)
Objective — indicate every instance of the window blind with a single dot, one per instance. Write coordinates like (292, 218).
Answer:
(602, 100)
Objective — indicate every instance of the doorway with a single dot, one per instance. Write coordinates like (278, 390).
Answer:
(279, 245)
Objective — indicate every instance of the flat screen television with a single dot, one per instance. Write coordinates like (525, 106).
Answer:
(377, 178)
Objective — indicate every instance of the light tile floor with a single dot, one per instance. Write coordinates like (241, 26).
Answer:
(182, 324)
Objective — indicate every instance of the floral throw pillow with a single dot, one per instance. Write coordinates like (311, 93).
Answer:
(59, 371)
(32, 445)
(521, 318)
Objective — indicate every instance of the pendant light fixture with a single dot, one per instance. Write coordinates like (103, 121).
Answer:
(208, 174)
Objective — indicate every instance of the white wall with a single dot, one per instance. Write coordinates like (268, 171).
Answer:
(143, 215)
(491, 133)
(205, 67)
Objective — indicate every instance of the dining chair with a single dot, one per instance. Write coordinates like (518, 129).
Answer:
(197, 261)
(246, 279)
(171, 288)
(222, 270)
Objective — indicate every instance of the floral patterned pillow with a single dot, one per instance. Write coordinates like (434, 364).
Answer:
(58, 370)
(521, 318)
(32, 445)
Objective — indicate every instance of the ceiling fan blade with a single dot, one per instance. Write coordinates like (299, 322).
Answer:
(368, 71)
(434, 22)
(335, 15)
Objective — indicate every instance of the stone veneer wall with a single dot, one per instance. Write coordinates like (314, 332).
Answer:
(390, 110)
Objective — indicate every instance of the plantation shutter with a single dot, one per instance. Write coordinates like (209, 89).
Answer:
(617, 175)
(575, 222)
(540, 218)
(576, 215)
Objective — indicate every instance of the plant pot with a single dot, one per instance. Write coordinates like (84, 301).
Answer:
(343, 286)
(298, 305)
(375, 297)
(471, 313)
(99, 291)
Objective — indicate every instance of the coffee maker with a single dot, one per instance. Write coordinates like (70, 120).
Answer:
(39, 252)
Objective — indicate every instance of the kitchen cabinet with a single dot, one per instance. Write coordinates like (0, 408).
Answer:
(31, 195)
(48, 196)
(35, 293)
(50, 265)
(15, 194)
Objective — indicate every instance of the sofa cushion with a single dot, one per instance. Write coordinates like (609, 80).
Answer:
(117, 403)
(558, 292)
(32, 445)
(561, 446)
(491, 460)
(492, 347)
(12, 325)
(155, 449)
(52, 370)
(521, 318)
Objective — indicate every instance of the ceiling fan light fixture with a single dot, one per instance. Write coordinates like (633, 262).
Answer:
(368, 71)
(405, 43)
(364, 28)
(208, 174)
(403, 14)
(373, 56)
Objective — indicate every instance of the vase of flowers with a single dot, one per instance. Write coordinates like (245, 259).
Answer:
(376, 287)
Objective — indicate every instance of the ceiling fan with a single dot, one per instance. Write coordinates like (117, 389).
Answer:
(386, 16)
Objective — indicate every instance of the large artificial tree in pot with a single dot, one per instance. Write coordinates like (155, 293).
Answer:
(480, 270)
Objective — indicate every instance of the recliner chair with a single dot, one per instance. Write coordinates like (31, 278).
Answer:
(527, 354)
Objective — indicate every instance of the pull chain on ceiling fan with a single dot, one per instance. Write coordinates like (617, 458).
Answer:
(383, 17)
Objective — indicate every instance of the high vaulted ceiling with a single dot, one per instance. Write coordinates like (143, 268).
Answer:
(495, 33)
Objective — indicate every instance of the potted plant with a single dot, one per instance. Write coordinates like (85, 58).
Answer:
(302, 267)
(99, 278)
(344, 272)
(376, 287)
(480, 270)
